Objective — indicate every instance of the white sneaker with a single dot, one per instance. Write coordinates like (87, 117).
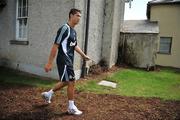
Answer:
(74, 111)
(46, 96)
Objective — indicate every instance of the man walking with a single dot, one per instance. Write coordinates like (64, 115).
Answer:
(65, 43)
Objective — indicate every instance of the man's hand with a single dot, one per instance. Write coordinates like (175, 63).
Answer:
(52, 55)
(85, 57)
(48, 67)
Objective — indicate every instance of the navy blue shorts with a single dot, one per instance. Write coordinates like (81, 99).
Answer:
(66, 73)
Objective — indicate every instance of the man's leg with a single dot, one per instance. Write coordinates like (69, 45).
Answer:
(72, 109)
(48, 95)
(70, 90)
(58, 86)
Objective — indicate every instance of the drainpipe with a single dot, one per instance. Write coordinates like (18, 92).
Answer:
(84, 69)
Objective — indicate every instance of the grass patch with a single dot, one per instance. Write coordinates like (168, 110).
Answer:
(134, 82)
(12, 77)
(130, 82)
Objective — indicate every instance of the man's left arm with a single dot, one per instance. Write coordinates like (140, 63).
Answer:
(78, 50)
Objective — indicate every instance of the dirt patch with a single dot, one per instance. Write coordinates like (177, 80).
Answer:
(25, 103)
(97, 69)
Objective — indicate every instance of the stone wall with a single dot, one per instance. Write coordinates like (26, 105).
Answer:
(138, 49)
(113, 20)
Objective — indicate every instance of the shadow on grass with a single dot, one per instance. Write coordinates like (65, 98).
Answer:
(11, 77)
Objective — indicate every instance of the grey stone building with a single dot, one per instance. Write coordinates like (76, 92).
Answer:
(138, 44)
(28, 28)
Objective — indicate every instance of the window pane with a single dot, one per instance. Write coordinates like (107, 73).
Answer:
(20, 3)
(24, 8)
(165, 45)
(20, 28)
(24, 28)
(19, 12)
(19, 8)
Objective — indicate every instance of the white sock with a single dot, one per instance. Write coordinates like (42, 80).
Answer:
(71, 104)
(51, 92)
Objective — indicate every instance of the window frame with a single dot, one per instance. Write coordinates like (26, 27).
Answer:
(170, 46)
(19, 38)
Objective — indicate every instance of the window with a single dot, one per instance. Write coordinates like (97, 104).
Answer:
(165, 45)
(21, 19)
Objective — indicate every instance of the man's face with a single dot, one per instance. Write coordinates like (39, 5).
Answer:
(76, 18)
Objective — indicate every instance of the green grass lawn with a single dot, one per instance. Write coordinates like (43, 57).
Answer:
(130, 82)
(134, 82)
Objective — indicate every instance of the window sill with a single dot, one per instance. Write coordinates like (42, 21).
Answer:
(163, 53)
(18, 42)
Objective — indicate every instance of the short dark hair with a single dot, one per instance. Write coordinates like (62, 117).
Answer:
(74, 11)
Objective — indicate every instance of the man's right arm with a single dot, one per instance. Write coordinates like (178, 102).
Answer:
(52, 55)
(61, 34)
